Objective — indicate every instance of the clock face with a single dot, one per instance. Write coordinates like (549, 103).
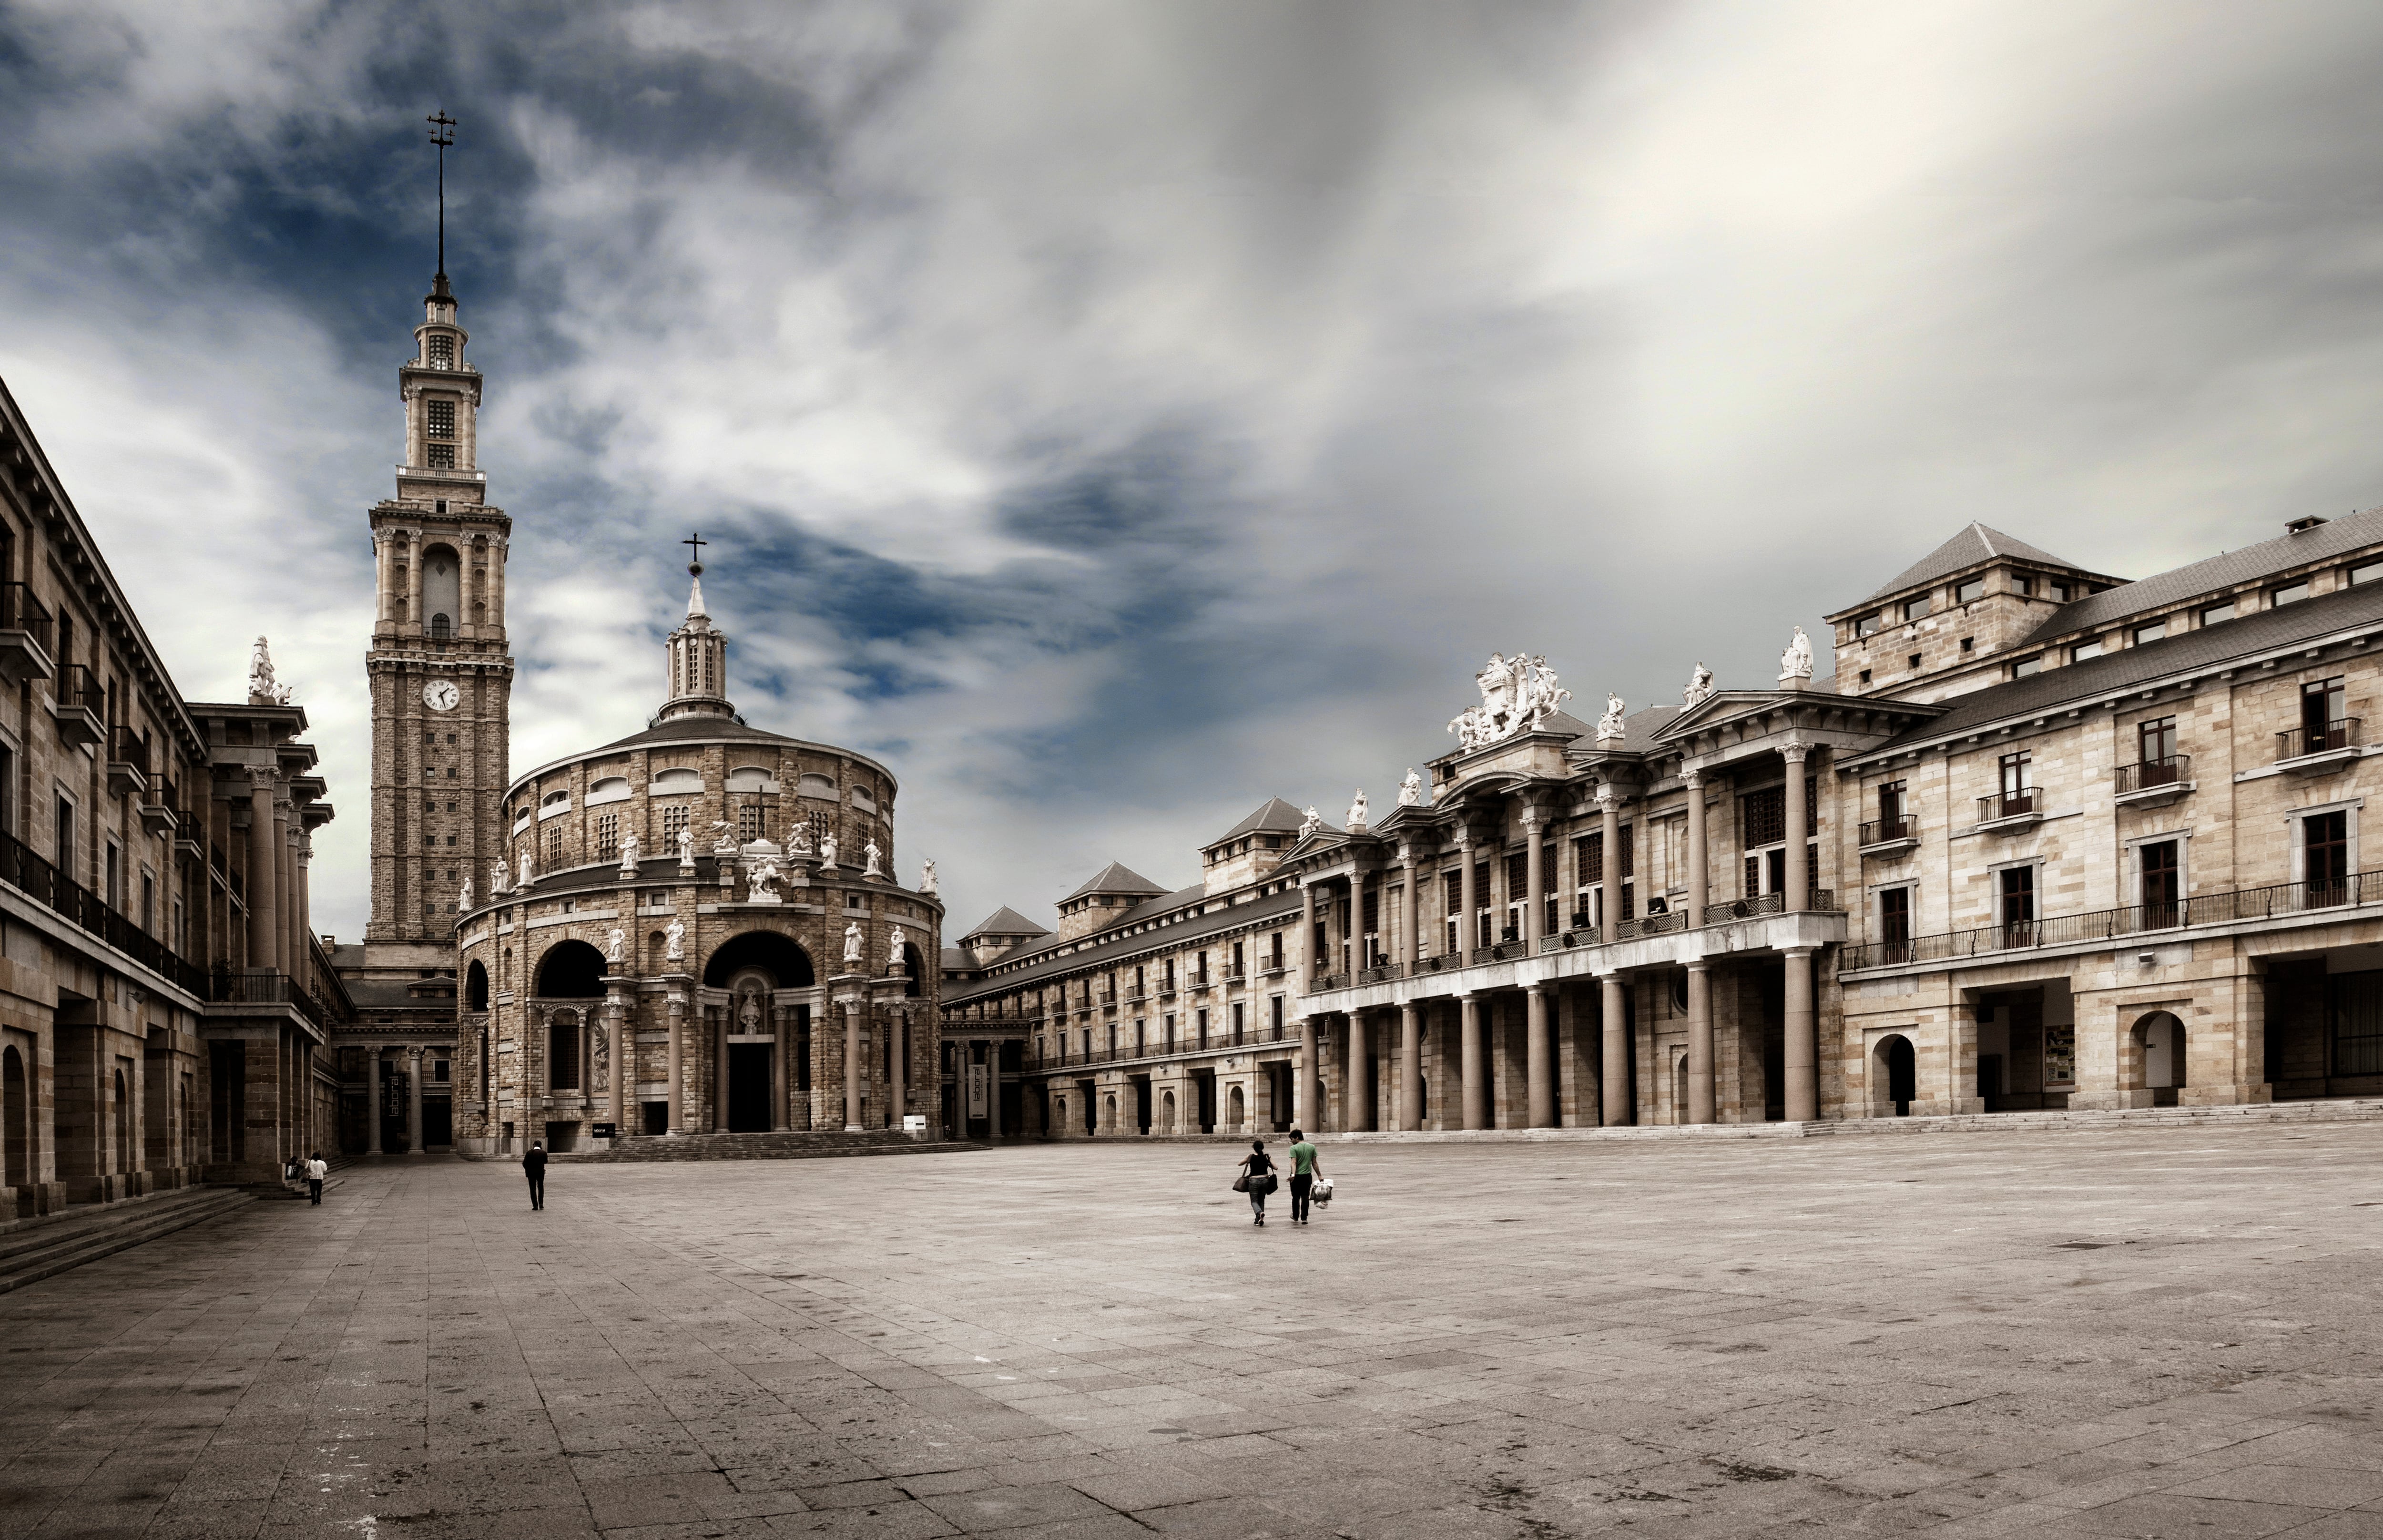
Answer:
(439, 695)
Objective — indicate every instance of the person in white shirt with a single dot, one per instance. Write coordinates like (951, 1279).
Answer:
(317, 1169)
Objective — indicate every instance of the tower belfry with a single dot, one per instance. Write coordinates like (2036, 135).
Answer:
(697, 656)
(440, 673)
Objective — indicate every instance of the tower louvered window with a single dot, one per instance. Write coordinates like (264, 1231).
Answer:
(608, 836)
(673, 820)
(440, 350)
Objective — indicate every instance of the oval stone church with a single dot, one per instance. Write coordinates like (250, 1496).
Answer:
(698, 931)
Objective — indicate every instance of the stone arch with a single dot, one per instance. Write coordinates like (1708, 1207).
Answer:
(2156, 1057)
(1167, 1112)
(914, 969)
(1234, 1106)
(442, 590)
(778, 956)
(570, 970)
(1894, 1076)
(1108, 1114)
(563, 1055)
(1059, 1107)
(475, 986)
(16, 1111)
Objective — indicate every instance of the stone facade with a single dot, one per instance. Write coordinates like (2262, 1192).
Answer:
(165, 1008)
(701, 980)
(2046, 839)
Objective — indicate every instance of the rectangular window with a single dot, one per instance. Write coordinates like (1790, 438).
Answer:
(2059, 592)
(148, 903)
(1895, 914)
(441, 415)
(2151, 631)
(1199, 1022)
(2162, 883)
(749, 822)
(442, 457)
(2324, 721)
(2022, 584)
(1867, 625)
(1918, 609)
(2015, 905)
(1588, 858)
(1765, 814)
(553, 848)
(608, 836)
(1170, 1034)
(673, 820)
(1240, 1023)
(2156, 741)
(2013, 773)
(2027, 667)
(441, 350)
(2290, 593)
(1274, 1007)
(2083, 651)
(115, 877)
(64, 849)
(2325, 851)
(2212, 614)
(1971, 592)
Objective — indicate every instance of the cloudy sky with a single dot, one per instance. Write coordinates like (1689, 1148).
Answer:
(1111, 415)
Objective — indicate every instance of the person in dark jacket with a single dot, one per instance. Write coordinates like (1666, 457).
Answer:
(534, 1168)
(1258, 1166)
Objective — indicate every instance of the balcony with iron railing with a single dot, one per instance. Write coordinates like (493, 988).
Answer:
(27, 652)
(2318, 902)
(128, 761)
(2012, 807)
(76, 703)
(2151, 783)
(22, 869)
(2317, 747)
(1888, 837)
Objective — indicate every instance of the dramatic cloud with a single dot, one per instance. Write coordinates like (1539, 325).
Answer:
(1111, 415)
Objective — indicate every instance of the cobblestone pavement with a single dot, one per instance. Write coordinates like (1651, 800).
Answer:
(2135, 1332)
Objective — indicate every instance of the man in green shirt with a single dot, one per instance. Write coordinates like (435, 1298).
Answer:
(1302, 1175)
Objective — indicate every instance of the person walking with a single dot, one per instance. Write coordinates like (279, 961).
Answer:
(1304, 1172)
(1257, 1170)
(317, 1169)
(534, 1168)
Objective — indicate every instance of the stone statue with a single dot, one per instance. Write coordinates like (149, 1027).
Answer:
(1357, 811)
(498, 873)
(1312, 822)
(1608, 726)
(616, 946)
(464, 897)
(764, 884)
(674, 942)
(799, 836)
(894, 954)
(874, 857)
(629, 853)
(748, 1011)
(1517, 695)
(724, 839)
(1797, 662)
(687, 850)
(1700, 687)
(262, 690)
(852, 942)
(528, 869)
(827, 850)
(1411, 790)
(926, 878)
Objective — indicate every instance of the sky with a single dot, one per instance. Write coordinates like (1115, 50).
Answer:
(1109, 416)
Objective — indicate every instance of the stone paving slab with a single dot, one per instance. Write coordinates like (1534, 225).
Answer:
(2147, 1329)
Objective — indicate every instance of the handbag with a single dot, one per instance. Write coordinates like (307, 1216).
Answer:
(1242, 1182)
(1269, 1183)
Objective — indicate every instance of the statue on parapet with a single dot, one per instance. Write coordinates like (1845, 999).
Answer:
(1411, 790)
(1608, 726)
(874, 856)
(674, 942)
(262, 690)
(853, 942)
(1700, 687)
(1797, 662)
(926, 878)
(616, 946)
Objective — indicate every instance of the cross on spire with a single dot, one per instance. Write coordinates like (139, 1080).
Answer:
(442, 134)
(695, 543)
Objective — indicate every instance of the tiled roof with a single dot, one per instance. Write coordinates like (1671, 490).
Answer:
(1231, 917)
(1114, 878)
(1006, 921)
(2336, 537)
(2114, 674)
(1974, 543)
(1277, 816)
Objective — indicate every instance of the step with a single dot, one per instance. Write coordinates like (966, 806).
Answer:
(804, 1144)
(58, 1243)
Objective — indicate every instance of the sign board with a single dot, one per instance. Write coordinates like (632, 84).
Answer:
(601, 1130)
(978, 1077)
(914, 1123)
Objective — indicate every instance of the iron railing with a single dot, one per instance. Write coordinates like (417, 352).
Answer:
(2215, 908)
(126, 747)
(1381, 972)
(2300, 742)
(33, 875)
(1889, 831)
(2151, 775)
(79, 689)
(267, 988)
(20, 611)
(1746, 908)
(2007, 804)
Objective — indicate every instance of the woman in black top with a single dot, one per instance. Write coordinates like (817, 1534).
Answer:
(1258, 1166)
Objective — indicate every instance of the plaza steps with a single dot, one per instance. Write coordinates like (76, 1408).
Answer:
(32, 1250)
(804, 1145)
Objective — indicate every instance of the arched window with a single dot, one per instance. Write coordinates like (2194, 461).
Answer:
(476, 988)
(440, 628)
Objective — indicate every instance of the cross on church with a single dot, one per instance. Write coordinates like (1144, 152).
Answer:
(695, 543)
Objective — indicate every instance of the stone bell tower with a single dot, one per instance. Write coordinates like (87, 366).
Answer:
(440, 675)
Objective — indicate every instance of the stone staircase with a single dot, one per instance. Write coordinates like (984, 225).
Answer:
(31, 1249)
(807, 1145)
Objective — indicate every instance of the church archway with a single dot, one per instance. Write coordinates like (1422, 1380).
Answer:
(475, 986)
(914, 968)
(777, 956)
(442, 590)
(570, 970)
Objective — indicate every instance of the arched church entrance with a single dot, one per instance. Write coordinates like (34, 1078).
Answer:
(752, 968)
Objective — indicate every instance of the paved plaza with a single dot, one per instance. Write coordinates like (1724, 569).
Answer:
(2141, 1331)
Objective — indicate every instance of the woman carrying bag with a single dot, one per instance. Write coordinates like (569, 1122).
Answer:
(1256, 1178)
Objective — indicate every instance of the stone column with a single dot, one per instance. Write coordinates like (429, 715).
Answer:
(1609, 808)
(897, 1082)
(781, 1116)
(1800, 869)
(1700, 1043)
(372, 1100)
(851, 1065)
(1614, 1079)
(993, 1091)
(384, 576)
(1535, 884)
(263, 864)
(1467, 924)
(301, 891)
(496, 602)
(1410, 1067)
(1307, 1099)
(285, 889)
(1699, 863)
(1476, 1069)
(678, 1108)
(1357, 1092)
(1801, 1053)
(414, 1101)
(1410, 913)
(719, 1035)
(619, 1060)
(467, 589)
(414, 578)
(1539, 1058)
(1306, 938)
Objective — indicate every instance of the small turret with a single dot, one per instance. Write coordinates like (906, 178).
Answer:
(697, 659)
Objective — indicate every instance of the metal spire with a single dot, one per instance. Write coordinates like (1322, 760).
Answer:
(442, 134)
